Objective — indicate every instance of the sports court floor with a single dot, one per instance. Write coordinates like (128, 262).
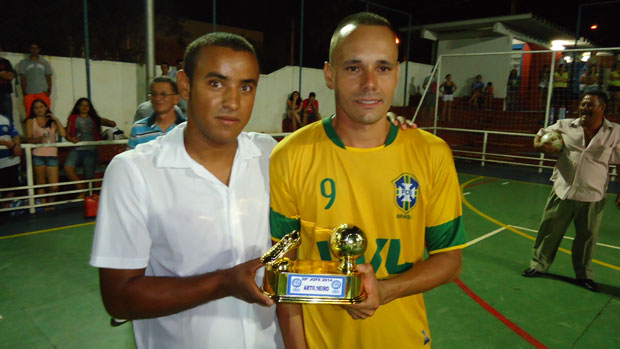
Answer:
(49, 296)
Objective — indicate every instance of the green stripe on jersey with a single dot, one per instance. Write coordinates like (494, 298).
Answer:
(331, 132)
(445, 235)
(281, 225)
(333, 136)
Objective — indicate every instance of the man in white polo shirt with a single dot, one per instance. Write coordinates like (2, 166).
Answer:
(183, 219)
(580, 180)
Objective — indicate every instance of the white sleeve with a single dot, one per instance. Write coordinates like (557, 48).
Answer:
(122, 239)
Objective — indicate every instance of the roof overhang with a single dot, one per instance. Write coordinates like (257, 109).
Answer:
(525, 27)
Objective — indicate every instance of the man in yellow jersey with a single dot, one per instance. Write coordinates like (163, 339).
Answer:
(400, 187)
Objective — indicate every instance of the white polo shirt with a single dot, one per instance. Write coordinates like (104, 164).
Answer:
(582, 172)
(162, 211)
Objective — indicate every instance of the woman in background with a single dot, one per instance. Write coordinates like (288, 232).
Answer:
(589, 79)
(84, 124)
(447, 88)
(43, 127)
(293, 108)
(512, 88)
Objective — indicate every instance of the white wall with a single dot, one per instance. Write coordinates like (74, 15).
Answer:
(416, 74)
(274, 89)
(493, 68)
(117, 88)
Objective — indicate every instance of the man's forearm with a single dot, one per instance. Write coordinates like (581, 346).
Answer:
(149, 296)
(290, 319)
(24, 83)
(49, 84)
(436, 270)
(7, 75)
(538, 146)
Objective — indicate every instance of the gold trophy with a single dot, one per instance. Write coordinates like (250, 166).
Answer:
(317, 282)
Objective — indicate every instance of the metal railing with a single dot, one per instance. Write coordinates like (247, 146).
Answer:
(31, 197)
(31, 187)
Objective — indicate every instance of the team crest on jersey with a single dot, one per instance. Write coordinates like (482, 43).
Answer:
(406, 191)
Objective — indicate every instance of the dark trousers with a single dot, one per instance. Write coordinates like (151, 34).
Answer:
(6, 106)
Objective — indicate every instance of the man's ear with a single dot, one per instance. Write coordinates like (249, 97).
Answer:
(183, 84)
(329, 75)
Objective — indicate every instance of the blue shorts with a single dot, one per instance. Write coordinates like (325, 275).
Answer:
(87, 158)
(50, 161)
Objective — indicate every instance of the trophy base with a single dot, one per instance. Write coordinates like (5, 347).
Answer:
(312, 282)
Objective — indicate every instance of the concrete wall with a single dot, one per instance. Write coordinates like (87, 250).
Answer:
(117, 88)
(493, 68)
(416, 74)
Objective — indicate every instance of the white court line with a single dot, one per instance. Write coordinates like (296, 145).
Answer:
(568, 237)
(488, 235)
(505, 183)
(466, 193)
(478, 239)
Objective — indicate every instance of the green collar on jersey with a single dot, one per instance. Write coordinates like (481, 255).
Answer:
(331, 133)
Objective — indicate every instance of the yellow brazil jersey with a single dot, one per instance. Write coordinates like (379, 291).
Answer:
(404, 195)
(558, 75)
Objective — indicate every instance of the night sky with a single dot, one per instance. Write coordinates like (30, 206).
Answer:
(53, 24)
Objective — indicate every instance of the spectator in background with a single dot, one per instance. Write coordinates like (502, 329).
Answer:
(429, 99)
(613, 87)
(7, 74)
(310, 109)
(145, 109)
(173, 74)
(84, 124)
(165, 69)
(43, 127)
(293, 109)
(560, 92)
(174, 71)
(9, 158)
(35, 75)
(447, 88)
(543, 87)
(589, 79)
(164, 97)
(488, 95)
(512, 90)
(476, 91)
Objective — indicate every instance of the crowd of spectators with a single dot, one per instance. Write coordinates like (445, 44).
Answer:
(300, 113)
(563, 87)
(159, 114)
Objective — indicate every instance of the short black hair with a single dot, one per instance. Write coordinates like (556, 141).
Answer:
(232, 41)
(312, 94)
(601, 95)
(358, 19)
(167, 79)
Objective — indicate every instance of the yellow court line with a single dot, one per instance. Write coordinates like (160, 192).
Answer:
(518, 181)
(45, 230)
(516, 231)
